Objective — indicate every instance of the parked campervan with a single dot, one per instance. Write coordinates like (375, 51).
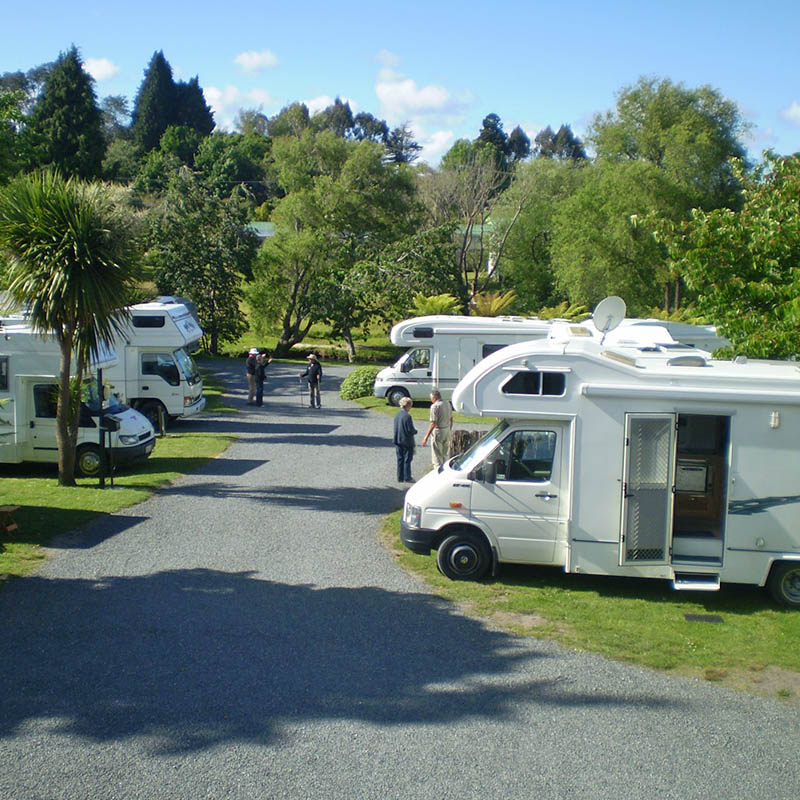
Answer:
(442, 349)
(155, 373)
(617, 458)
(29, 370)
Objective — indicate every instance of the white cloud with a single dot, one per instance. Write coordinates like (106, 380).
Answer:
(402, 99)
(101, 69)
(226, 103)
(387, 58)
(436, 145)
(792, 113)
(252, 62)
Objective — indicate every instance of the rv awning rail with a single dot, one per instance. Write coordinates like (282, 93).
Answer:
(726, 395)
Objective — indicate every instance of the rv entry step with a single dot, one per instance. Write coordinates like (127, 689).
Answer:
(696, 581)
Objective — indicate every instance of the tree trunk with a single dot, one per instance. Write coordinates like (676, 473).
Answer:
(66, 446)
(350, 345)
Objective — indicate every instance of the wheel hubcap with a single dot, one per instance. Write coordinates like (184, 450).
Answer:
(791, 585)
(463, 558)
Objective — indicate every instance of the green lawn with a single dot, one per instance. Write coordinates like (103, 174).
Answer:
(47, 509)
(753, 647)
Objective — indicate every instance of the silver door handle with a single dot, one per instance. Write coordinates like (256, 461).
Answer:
(546, 495)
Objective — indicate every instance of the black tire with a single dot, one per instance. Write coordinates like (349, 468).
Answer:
(395, 395)
(784, 583)
(464, 556)
(87, 461)
(150, 409)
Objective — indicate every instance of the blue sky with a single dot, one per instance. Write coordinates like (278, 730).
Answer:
(439, 66)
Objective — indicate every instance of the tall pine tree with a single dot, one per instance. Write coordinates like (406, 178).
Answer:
(65, 128)
(154, 108)
(191, 108)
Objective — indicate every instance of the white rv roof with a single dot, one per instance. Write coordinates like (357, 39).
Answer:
(405, 332)
(20, 339)
(625, 370)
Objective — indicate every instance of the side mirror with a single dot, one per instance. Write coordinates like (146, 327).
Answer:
(485, 473)
(405, 367)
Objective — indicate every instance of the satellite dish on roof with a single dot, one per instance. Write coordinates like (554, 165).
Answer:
(608, 314)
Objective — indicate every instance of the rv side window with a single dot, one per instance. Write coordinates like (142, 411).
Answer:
(3, 373)
(488, 349)
(45, 400)
(526, 456)
(150, 321)
(161, 364)
(552, 384)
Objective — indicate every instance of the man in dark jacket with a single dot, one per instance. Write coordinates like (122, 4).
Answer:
(314, 374)
(404, 431)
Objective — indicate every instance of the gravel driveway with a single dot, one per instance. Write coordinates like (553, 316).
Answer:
(243, 634)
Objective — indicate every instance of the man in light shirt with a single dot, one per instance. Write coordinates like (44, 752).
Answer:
(439, 430)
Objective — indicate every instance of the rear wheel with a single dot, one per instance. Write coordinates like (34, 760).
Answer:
(784, 583)
(87, 461)
(464, 556)
(395, 395)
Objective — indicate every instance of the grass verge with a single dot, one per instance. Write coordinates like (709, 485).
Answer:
(47, 509)
(749, 643)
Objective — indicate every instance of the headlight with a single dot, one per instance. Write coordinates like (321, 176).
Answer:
(128, 440)
(412, 515)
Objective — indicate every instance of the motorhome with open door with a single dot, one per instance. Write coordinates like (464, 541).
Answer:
(156, 373)
(442, 349)
(625, 460)
(29, 375)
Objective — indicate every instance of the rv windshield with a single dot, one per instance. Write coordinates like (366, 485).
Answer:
(472, 457)
(187, 365)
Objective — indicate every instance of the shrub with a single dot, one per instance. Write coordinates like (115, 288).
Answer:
(358, 383)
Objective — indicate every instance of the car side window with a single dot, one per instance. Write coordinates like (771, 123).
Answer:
(45, 400)
(161, 364)
(526, 456)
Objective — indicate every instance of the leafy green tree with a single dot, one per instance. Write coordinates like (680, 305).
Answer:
(155, 172)
(30, 83)
(527, 264)
(230, 161)
(181, 142)
(366, 126)
(201, 249)
(64, 129)
(250, 121)
(337, 118)
(10, 117)
(518, 145)
(191, 109)
(155, 103)
(116, 117)
(690, 134)
(291, 120)
(73, 259)
(342, 203)
(401, 147)
(562, 146)
(598, 248)
(744, 265)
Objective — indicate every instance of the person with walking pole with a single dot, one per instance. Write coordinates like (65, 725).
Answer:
(314, 375)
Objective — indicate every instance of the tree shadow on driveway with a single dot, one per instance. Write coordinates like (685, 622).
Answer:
(184, 660)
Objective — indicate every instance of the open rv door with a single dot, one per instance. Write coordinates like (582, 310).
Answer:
(647, 496)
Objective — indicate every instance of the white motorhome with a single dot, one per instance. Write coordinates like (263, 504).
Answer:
(442, 349)
(622, 459)
(155, 373)
(29, 370)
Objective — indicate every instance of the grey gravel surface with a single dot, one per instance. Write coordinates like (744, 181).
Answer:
(243, 634)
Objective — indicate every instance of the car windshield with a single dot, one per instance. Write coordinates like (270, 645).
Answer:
(187, 365)
(89, 399)
(472, 457)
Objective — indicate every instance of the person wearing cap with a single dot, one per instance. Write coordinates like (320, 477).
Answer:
(314, 374)
(262, 360)
(250, 371)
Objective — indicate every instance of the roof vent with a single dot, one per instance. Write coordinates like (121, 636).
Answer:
(687, 361)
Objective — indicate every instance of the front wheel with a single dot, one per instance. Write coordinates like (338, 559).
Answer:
(154, 411)
(88, 461)
(395, 395)
(784, 583)
(464, 556)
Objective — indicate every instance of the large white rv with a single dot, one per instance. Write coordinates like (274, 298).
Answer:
(442, 349)
(615, 458)
(29, 370)
(155, 373)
